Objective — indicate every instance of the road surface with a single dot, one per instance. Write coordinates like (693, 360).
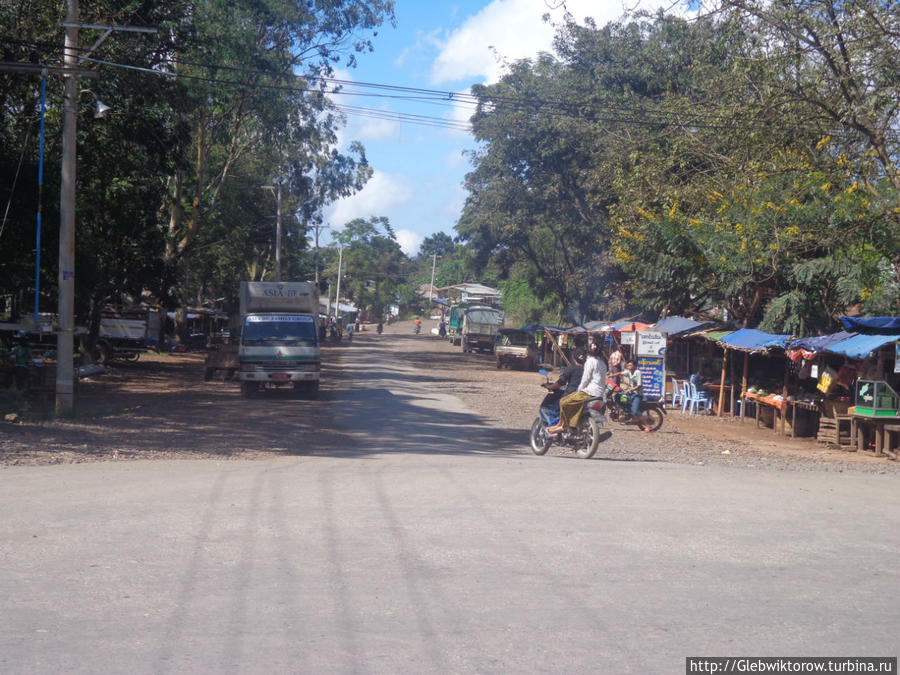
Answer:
(414, 540)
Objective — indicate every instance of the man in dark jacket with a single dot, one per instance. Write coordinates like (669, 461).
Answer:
(567, 383)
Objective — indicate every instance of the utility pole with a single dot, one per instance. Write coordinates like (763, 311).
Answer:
(316, 228)
(65, 369)
(276, 189)
(434, 257)
(337, 295)
(278, 235)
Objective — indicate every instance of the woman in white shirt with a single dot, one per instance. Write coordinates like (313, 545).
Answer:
(593, 384)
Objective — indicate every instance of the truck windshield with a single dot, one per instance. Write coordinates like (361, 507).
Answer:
(279, 330)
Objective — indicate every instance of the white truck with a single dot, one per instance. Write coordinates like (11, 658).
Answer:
(126, 334)
(279, 342)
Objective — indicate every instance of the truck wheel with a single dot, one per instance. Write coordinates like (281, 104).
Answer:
(499, 364)
(247, 389)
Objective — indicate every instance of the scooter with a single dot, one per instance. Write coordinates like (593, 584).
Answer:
(651, 415)
(584, 439)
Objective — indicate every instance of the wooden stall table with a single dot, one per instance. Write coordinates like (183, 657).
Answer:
(802, 405)
(884, 429)
(770, 401)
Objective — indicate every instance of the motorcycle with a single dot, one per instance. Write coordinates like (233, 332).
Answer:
(584, 439)
(380, 328)
(618, 409)
(418, 328)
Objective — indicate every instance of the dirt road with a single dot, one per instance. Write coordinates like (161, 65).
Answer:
(160, 407)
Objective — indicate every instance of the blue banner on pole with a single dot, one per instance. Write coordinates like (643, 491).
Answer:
(653, 376)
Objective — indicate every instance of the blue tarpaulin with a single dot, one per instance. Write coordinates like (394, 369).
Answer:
(883, 325)
(752, 340)
(679, 325)
(860, 346)
(820, 343)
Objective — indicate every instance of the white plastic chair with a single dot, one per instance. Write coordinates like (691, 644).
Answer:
(685, 395)
(698, 399)
(677, 393)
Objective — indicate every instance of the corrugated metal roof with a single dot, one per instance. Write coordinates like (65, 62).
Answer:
(860, 346)
(679, 325)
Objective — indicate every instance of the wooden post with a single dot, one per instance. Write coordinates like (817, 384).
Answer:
(721, 405)
(744, 385)
(784, 394)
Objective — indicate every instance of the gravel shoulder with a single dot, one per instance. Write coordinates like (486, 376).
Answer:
(160, 407)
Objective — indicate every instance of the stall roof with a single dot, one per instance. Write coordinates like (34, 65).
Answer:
(860, 346)
(626, 326)
(820, 343)
(882, 324)
(598, 326)
(679, 325)
(752, 340)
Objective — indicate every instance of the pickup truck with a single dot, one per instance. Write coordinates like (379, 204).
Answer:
(516, 348)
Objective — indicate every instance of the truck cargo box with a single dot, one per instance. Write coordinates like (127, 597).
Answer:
(289, 297)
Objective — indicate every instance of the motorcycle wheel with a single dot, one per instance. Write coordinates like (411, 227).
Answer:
(590, 432)
(540, 441)
(655, 417)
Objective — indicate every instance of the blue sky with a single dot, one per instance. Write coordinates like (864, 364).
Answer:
(445, 46)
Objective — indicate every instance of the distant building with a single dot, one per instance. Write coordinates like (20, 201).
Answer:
(476, 293)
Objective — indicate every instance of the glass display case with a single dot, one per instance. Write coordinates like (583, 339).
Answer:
(876, 398)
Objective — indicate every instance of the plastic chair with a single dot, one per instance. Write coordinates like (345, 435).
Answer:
(739, 402)
(698, 399)
(677, 393)
(685, 395)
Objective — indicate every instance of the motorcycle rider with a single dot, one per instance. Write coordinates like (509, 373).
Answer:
(566, 384)
(593, 384)
(633, 387)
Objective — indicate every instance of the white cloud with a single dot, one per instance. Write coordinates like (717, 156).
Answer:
(383, 192)
(409, 241)
(512, 30)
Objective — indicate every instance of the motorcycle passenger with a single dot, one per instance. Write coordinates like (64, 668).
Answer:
(593, 384)
(633, 387)
(566, 384)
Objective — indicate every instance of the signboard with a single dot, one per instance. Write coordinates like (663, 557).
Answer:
(651, 343)
(897, 357)
(653, 376)
(628, 338)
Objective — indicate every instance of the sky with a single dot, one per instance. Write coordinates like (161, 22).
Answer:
(438, 46)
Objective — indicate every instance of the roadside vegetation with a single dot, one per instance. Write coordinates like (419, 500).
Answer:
(743, 159)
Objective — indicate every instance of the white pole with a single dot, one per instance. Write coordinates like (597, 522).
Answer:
(278, 236)
(434, 258)
(337, 294)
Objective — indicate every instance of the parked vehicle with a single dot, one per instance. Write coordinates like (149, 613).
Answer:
(126, 334)
(479, 326)
(652, 412)
(516, 348)
(454, 324)
(279, 341)
(584, 440)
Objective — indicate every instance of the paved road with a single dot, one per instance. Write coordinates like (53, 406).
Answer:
(422, 545)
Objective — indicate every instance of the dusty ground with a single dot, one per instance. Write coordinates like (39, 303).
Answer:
(160, 407)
